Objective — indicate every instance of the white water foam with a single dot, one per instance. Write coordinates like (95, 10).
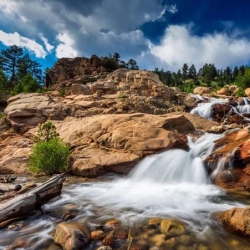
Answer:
(205, 109)
(170, 184)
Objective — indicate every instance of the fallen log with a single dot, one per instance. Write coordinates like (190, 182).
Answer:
(25, 203)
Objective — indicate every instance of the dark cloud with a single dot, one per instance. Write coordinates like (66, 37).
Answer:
(84, 7)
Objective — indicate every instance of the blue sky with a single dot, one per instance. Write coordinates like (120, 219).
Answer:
(157, 33)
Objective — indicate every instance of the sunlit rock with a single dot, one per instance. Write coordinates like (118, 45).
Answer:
(71, 235)
(236, 220)
(172, 227)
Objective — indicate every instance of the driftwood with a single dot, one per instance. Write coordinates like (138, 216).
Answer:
(7, 178)
(6, 187)
(25, 203)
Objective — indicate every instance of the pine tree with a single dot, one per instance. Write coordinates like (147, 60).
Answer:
(184, 71)
(10, 58)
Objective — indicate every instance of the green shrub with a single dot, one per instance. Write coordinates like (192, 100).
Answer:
(50, 153)
(240, 93)
(49, 157)
(47, 132)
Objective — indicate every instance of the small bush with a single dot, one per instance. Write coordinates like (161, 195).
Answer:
(47, 132)
(50, 154)
(240, 93)
(49, 157)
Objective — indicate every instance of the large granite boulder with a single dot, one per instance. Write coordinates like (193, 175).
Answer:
(114, 143)
(236, 220)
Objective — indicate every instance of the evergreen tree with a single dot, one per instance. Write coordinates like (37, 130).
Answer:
(192, 72)
(184, 71)
(10, 58)
(3, 81)
(235, 72)
(132, 64)
(117, 57)
(27, 84)
(243, 81)
(228, 75)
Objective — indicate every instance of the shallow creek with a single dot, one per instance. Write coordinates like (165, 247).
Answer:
(173, 184)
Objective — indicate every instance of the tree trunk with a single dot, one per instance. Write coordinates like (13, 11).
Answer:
(24, 204)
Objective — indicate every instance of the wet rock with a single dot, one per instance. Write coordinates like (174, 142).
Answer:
(17, 245)
(236, 220)
(70, 235)
(158, 239)
(245, 151)
(185, 240)
(219, 111)
(135, 246)
(172, 227)
(71, 214)
(121, 233)
(114, 223)
(104, 248)
(109, 239)
(154, 221)
(185, 248)
(97, 235)
(171, 243)
(202, 247)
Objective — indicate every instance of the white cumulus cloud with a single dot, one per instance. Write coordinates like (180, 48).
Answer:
(179, 46)
(65, 47)
(9, 39)
(48, 46)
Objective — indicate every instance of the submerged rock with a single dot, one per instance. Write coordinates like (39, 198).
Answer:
(172, 227)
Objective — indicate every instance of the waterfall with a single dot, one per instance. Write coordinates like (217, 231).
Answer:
(177, 166)
(205, 109)
(169, 184)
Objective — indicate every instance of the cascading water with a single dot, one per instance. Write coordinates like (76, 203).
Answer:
(172, 184)
(205, 109)
(177, 166)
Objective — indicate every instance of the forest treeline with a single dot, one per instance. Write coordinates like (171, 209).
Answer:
(188, 78)
(19, 73)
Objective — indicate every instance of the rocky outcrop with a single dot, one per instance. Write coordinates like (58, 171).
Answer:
(14, 153)
(102, 138)
(114, 143)
(233, 148)
(81, 69)
(25, 111)
(236, 220)
(91, 76)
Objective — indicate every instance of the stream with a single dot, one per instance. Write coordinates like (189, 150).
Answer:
(172, 184)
